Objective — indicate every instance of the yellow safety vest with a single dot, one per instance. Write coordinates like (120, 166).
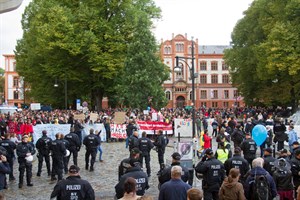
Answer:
(222, 156)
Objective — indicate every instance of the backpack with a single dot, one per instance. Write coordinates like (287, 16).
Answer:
(260, 189)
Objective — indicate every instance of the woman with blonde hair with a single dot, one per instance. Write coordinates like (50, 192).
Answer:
(231, 189)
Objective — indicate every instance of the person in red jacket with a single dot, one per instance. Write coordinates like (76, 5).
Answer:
(207, 140)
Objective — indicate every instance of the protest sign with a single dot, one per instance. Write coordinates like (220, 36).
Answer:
(120, 117)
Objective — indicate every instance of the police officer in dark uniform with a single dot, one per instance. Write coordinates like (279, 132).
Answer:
(129, 131)
(58, 151)
(43, 147)
(238, 162)
(161, 143)
(65, 158)
(136, 173)
(213, 175)
(280, 136)
(91, 143)
(124, 165)
(133, 141)
(9, 146)
(165, 175)
(249, 147)
(145, 146)
(73, 187)
(269, 161)
(24, 149)
(74, 145)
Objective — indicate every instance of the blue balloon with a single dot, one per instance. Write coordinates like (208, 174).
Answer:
(259, 134)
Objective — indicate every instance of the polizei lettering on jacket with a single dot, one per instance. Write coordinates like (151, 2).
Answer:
(215, 166)
(73, 187)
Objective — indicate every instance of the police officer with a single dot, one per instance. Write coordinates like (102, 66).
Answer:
(161, 143)
(136, 173)
(165, 175)
(73, 187)
(124, 165)
(129, 130)
(9, 146)
(269, 161)
(280, 136)
(74, 145)
(133, 141)
(43, 147)
(91, 143)
(58, 151)
(65, 158)
(249, 147)
(24, 149)
(213, 174)
(145, 146)
(238, 162)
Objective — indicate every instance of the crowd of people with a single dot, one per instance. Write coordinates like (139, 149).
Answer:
(227, 173)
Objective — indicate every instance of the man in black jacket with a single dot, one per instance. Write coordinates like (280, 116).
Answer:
(165, 175)
(238, 162)
(213, 174)
(24, 150)
(124, 165)
(91, 143)
(136, 173)
(43, 146)
(295, 168)
(74, 145)
(129, 131)
(269, 161)
(10, 146)
(280, 135)
(133, 141)
(145, 146)
(249, 147)
(161, 143)
(73, 187)
(58, 151)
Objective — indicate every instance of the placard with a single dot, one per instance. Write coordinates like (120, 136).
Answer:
(94, 116)
(35, 106)
(120, 117)
(79, 116)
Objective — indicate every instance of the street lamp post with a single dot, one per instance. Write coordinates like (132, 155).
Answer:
(66, 91)
(178, 68)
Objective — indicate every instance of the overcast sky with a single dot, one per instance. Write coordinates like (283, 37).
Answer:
(209, 21)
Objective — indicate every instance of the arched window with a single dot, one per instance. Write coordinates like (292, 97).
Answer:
(168, 95)
(169, 50)
(191, 95)
(166, 50)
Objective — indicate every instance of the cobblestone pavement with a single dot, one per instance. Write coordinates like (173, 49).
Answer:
(103, 178)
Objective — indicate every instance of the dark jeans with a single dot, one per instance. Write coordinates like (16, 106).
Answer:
(160, 153)
(75, 155)
(147, 161)
(11, 165)
(92, 153)
(22, 167)
(57, 167)
(280, 145)
(41, 158)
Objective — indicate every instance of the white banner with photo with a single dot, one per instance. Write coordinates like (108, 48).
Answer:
(52, 129)
(184, 127)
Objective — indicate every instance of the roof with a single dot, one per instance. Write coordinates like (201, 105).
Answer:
(212, 49)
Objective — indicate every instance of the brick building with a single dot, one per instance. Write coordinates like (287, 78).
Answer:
(212, 85)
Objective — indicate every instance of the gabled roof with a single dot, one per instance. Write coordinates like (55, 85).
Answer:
(212, 49)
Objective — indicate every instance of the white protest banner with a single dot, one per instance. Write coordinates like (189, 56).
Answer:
(184, 127)
(35, 106)
(51, 129)
(146, 112)
(97, 128)
(154, 116)
(118, 131)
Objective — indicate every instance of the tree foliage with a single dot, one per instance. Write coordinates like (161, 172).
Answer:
(264, 58)
(81, 43)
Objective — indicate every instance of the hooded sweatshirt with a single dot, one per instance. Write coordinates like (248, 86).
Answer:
(231, 191)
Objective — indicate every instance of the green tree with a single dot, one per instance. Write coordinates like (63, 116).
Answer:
(140, 84)
(81, 43)
(264, 58)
